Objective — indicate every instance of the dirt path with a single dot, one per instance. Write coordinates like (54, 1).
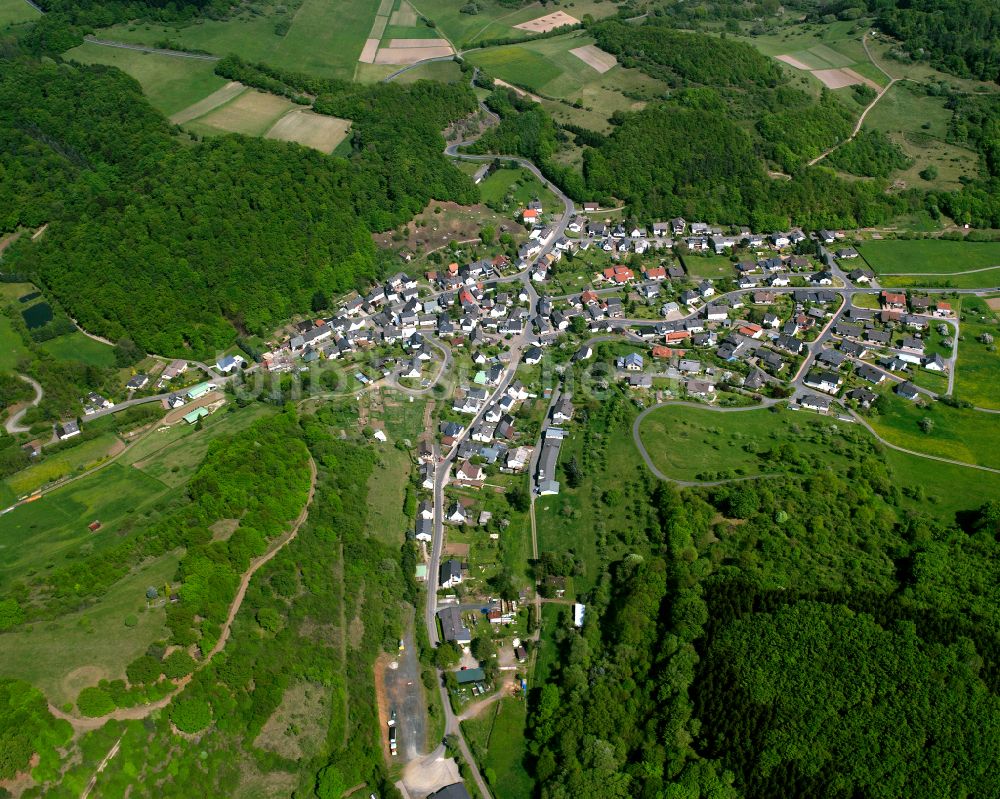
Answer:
(476, 708)
(107, 759)
(869, 107)
(141, 711)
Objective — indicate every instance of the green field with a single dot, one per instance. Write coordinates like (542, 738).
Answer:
(14, 11)
(171, 84)
(709, 266)
(79, 347)
(499, 191)
(929, 257)
(977, 376)
(549, 68)
(61, 657)
(325, 38)
(62, 463)
(386, 491)
(12, 348)
(960, 434)
(498, 743)
(43, 535)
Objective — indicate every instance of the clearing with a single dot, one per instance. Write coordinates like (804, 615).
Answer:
(297, 729)
(310, 129)
(430, 231)
(251, 112)
(977, 376)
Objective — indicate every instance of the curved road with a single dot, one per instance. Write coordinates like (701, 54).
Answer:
(13, 425)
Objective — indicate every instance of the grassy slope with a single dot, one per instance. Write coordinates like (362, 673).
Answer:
(63, 656)
(171, 84)
(386, 490)
(12, 349)
(78, 347)
(977, 377)
(60, 464)
(500, 732)
(494, 189)
(14, 11)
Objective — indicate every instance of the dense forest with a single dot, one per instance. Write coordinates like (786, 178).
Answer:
(811, 635)
(181, 247)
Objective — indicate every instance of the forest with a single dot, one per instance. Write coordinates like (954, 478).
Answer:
(234, 234)
(812, 635)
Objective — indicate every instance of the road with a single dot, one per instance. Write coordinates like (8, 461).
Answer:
(13, 424)
(157, 50)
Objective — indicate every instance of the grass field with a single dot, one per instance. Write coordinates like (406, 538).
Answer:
(171, 84)
(497, 740)
(14, 11)
(960, 434)
(12, 349)
(929, 257)
(61, 657)
(977, 376)
(251, 112)
(709, 266)
(547, 652)
(42, 535)
(499, 191)
(386, 490)
(60, 464)
(78, 347)
(549, 68)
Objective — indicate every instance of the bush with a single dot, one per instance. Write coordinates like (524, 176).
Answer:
(143, 670)
(178, 664)
(94, 701)
(131, 620)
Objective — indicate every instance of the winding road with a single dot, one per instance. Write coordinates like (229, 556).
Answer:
(13, 424)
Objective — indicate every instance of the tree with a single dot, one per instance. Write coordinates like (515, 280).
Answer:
(143, 670)
(483, 648)
(127, 353)
(190, 714)
(319, 301)
(929, 173)
(269, 619)
(488, 234)
(94, 701)
(330, 783)
(578, 325)
(11, 613)
(519, 498)
(446, 656)
(926, 424)
(178, 664)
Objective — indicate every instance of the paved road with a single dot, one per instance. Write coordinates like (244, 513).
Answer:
(13, 424)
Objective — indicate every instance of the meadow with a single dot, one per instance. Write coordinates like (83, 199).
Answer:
(43, 535)
(977, 376)
(512, 189)
(63, 463)
(386, 492)
(79, 347)
(928, 257)
(961, 434)
(12, 349)
(712, 267)
(15, 11)
(171, 84)
(61, 657)
(497, 740)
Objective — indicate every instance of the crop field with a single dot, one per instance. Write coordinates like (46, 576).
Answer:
(977, 376)
(320, 132)
(78, 347)
(14, 11)
(252, 113)
(932, 259)
(960, 434)
(498, 742)
(551, 68)
(171, 84)
(61, 657)
(42, 535)
(325, 38)
(63, 463)
(12, 349)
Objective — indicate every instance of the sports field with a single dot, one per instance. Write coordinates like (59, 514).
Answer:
(554, 68)
(14, 11)
(170, 83)
(930, 257)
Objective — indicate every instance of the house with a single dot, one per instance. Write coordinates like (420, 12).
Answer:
(789, 344)
(530, 215)
(174, 369)
(935, 364)
(862, 396)
(619, 275)
(426, 510)
(678, 226)
(832, 358)
(67, 430)
(453, 629)
(814, 402)
(518, 458)
(632, 362)
(907, 390)
(860, 276)
(827, 236)
(780, 240)
(871, 374)
(426, 476)
(136, 382)
(450, 573)
(228, 363)
(716, 313)
(563, 410)
(825, 381)
(533, 356)
(942, 308)
(640, 381)
(699, 388)
(706, 289)
(846, 254)
(772, 361)
(771, 321)
(423, 530)
(893, 301)
(470, 472)
(755, 380)
(913, 345)
(457, 513)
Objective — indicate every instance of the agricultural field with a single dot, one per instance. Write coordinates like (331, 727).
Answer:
(63, 656)
(79, 347)
(251, 112)
(977, 376)
(40, 536)
(15, 11)
(572, 90)
(62, 463)
(325, 39)
(171, 84)
(934, 262)
(960, 434)
(498, 743)
(323, 133)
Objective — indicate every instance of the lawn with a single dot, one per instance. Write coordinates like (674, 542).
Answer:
(709, 266)
(498, 743)
(171, 84)
(977, 377)
(63, 656)
(43, 535)
(12, 348)
(62, 463)
(946, 489)
(933, 259)
(14, 11)
(548, 654)
(512, 189)
(960, 434)
(79, 347)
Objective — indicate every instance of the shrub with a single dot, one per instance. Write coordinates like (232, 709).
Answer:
(178, 664)
(191, 715)
(94, 701)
